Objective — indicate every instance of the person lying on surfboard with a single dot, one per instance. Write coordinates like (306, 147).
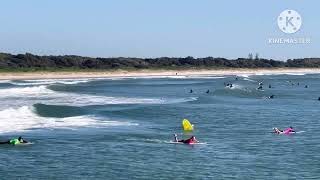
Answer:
(15, 141)
(191, 140)
(287, 131)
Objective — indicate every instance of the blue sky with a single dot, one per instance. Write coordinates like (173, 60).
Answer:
(145, 28)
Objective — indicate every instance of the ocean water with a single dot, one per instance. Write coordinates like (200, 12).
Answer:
(121, 128)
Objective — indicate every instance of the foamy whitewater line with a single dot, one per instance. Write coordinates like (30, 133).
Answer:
(85, 80)
(41, 94)
(5, 81)
(21, 92)
(65, 79)
(49, 82)
(173, 77)
(295, 74)
(247, 79)
(244, 75)
(24, 118)
(281, 73)
(236, 86)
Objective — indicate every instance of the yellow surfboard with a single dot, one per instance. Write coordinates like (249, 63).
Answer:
(186, 125)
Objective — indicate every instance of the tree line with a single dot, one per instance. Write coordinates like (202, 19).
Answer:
(30, 61)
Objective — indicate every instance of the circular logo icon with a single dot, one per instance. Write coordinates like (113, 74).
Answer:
(289, 21)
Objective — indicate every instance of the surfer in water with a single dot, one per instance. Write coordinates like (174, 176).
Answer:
(191, 140)
(15, 141)
(287, 131)
(228, 85)
(271, 97)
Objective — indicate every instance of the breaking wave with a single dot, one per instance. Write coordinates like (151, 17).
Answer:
(24, 118)
(42, 94)
(48, 81)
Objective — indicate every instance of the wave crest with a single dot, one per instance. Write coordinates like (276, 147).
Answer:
(24, 118)
(42, 94)
(49, 81)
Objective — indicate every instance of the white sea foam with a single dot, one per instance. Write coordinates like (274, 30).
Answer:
(244, 75)
(180, 100)
(172, 77)
(247, 79)
(234, 86)
(24, 118)
(280, 73)
(42, 94)
(261, 74)
(295, 74)
(116, 78)
(86, 100)
(49, 81)
(239, 87)
(21, 92)
(206, 77)
(5, 81)
(85, 80)
(194, 77)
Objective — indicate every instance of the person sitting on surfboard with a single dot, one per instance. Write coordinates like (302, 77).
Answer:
(287, 131)
(15, 141)
(191, 140)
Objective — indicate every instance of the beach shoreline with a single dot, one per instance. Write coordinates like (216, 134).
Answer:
(152, 73)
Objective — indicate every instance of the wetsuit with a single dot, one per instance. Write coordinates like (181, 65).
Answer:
(11, 141)
(14, 141)
(5, 142)
(188, 141)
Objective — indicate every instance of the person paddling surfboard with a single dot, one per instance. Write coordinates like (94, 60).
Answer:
(15, 141)
(286, 131)
(191, 140)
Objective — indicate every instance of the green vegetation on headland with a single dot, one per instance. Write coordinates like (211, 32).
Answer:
(29, 63)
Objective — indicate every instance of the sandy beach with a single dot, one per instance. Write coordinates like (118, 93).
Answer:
(144, 73)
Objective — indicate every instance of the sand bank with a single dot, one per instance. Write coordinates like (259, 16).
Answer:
(155, 73)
